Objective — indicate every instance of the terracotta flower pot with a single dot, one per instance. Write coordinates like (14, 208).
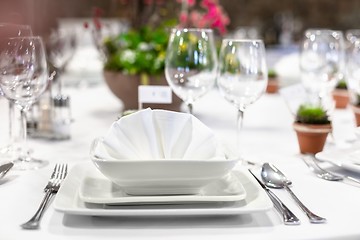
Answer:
(125, 87)
(356, 111)
(311, 138)
(341, 98)
(273, 85)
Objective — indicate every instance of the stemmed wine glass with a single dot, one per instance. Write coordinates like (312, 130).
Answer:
(8, 30)
(322, 56)
(60, 48)
(191, 63)
(23, 78)
(242, 75)
(353, 71)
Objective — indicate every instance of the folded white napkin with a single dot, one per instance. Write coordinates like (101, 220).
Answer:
(159, 134)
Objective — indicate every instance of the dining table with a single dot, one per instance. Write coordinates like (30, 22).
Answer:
(267, 136)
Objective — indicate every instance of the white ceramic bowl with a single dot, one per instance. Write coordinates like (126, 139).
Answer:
(164, 176)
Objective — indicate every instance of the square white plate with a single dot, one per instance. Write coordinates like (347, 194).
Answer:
(348, 158)
(96, 188)
(68, 200)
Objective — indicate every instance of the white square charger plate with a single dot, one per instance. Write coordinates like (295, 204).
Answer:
(68, 200)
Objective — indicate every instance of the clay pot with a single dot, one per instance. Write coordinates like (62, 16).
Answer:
(356, 111)
(341, 98)
(125, 87)
(272, 86)
(311, 138)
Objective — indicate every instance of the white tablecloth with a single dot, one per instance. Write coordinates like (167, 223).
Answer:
(267, 136)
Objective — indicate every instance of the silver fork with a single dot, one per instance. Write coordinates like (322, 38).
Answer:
(320, 172)
(312, 164)
(51, 188)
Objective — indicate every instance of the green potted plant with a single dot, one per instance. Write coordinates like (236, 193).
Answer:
(273, 82)
(341, 95)
(312, 126)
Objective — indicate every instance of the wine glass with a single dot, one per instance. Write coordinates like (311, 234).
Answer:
(353, 72)
(242, 75)
(23, 78)
(11, 30)
(191, 63)
(60, 46)
(322, 58)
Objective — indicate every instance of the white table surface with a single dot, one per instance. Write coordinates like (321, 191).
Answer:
(267, 136)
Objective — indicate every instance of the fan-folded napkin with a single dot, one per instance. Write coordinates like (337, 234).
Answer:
(159, 134)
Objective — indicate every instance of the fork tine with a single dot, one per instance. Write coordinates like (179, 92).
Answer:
(54, 171)
(63, 171)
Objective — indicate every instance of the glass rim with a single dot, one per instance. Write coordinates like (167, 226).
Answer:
(25, 37)
(193, 29)
(14, 24)
(242, 40)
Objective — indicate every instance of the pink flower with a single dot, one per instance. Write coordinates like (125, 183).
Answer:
(213, 16)
(183, 18)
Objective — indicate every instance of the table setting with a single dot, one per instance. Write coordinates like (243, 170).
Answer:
(194, 173)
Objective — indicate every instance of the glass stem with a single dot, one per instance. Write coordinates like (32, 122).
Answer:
(60, 82)
(190, 108)
(11, 122)
(24, 156)
(240, 118)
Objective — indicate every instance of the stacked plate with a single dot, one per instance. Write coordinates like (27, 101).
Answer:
(86, 191)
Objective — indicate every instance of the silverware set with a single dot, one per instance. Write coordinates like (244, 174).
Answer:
(312, 163)
(273, 178)
(288, 216)
(58, 175)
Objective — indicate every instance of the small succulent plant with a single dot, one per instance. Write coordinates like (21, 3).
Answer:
(341, 85)
(272, 73)
(312, 114)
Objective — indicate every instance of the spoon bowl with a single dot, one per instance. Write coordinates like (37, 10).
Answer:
(274, 178)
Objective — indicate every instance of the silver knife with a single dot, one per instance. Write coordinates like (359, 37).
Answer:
(288, 216)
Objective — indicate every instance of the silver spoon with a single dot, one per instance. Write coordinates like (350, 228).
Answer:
(5, 169)
(274, 178)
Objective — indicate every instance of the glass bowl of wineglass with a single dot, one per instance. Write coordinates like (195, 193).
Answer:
(242, 75)
(191, 63)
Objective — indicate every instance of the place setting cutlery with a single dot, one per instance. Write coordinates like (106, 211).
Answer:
(274, 178)
(289, 218)
(58, 175)
(311, 163)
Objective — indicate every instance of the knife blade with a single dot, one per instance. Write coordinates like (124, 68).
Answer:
(288, 216)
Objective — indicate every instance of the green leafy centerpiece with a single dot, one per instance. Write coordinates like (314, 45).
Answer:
(137, 58)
